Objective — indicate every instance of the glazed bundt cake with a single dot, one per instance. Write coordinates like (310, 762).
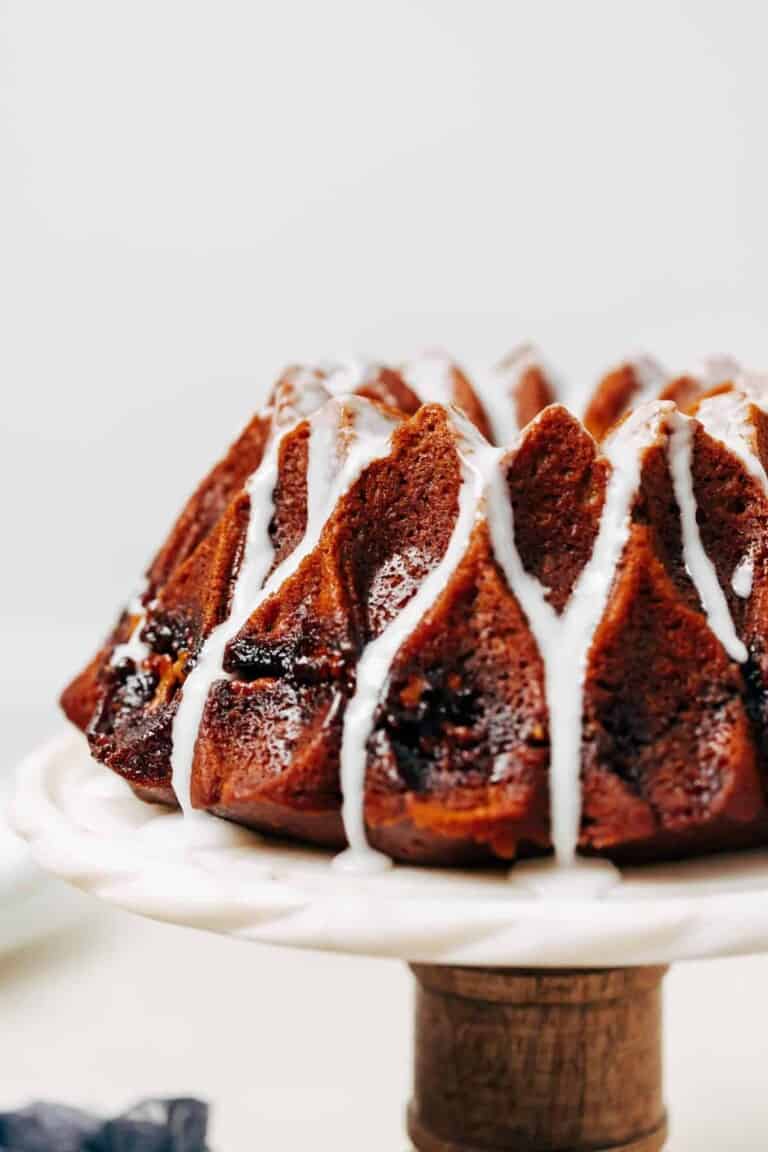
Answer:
(371, 627)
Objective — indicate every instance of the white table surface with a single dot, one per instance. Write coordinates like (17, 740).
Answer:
(298, 1050)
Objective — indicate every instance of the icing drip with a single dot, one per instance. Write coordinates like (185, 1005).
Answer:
(134, 647)
(564, 641)
(650, 377)
(431, 378)
(332, 377)
(743, 574)
(476, 457)
(334, 464)
(698, 564)
(256, 561)
(498, 388)
(342, 377)
(727, 418)
(714, 370)
(587, 878)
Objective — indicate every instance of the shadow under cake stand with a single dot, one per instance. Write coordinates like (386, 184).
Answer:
(538, 993)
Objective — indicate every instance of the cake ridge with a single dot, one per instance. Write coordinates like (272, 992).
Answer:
(698, 564)
(725, 415)
(477, 459)
(564, 640)
(523, 374)
(134, 648)
(254, 584)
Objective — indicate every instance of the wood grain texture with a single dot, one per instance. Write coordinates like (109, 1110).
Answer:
(537, 1061)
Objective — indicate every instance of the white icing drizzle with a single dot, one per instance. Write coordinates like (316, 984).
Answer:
(335, 462)
(713, 370)
(430, 376)
(743, 574)
(476, 458)
(340, 377)
(491, 385)
(564, 641)
(587, 878)
(498, 388)
(727, 418)
(345, 376)
(698, 564)
(134, 647)
(650, 376)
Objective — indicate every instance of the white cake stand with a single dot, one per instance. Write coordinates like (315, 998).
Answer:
(33, 904)
(538, 1013)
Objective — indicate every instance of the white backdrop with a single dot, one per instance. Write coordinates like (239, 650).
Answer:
(192, 194)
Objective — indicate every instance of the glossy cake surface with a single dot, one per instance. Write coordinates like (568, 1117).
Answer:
(371, 627)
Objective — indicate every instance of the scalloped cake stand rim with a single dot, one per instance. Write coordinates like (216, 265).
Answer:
(85, 825)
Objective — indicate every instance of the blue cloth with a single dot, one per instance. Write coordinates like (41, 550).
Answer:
(151, 1126)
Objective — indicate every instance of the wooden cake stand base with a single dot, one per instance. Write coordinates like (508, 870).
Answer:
(537, 1061)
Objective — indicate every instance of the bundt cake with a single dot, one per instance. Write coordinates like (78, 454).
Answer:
(371, 627)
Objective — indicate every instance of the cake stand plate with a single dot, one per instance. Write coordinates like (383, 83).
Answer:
(33, 903)
(538, 1020)
(85, 825)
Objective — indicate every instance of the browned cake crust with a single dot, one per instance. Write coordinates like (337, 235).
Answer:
(294, 663)
(622, 387)
(556, 482)
(683, 391)
(534, 393)
(670, 763)
(465, 397)
(612, 398)
(674, 740)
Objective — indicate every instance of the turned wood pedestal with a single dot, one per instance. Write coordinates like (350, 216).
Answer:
(567, 1060)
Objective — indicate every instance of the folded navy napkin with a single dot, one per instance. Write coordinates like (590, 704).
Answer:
(151, 1126)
